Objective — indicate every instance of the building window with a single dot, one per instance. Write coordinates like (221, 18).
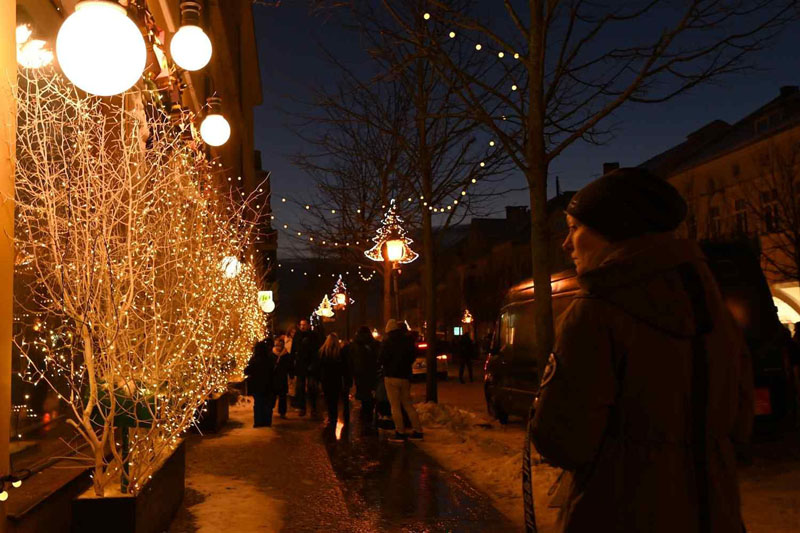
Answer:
(714, 223)
(769, 208)
(740, 213)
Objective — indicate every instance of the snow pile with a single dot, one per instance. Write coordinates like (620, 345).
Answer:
(449, 416)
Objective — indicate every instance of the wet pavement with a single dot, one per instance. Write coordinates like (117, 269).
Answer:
(296, 476)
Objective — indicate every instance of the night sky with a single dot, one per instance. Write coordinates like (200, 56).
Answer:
(291, 60)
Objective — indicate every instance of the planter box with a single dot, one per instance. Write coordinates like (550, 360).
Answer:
(44, 502)
(214, 414)
(150, 511)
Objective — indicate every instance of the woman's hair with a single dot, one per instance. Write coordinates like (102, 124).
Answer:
(330, 348)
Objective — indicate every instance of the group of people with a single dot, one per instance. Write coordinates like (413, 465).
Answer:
(379, 371)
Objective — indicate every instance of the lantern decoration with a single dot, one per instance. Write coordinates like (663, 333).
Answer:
(100, 49)
(215, 129)
(231, 266)
(391, 240)
(467, 318)
(190, 47)
(31, 53)
(325, 309)
(339, 296)
(266, 301)
(375, 333)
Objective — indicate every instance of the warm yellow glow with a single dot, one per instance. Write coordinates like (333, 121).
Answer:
(24, 33)
(190, 47)
(341, 299)
(395, 249)
(467, 318)
(215, 130)
(265, 301)
(231, 267)
(100, 49)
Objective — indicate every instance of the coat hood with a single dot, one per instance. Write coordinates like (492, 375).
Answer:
(640, 276)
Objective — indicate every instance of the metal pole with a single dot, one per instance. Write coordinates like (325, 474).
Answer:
(396, 294)
(8, 130)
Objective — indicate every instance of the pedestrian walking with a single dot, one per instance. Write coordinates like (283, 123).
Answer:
(362, 353)
(259, 372)
(649, 387)
(282, 365)
(465, 352)
(335, 378)
(396, 358)
(305, 357)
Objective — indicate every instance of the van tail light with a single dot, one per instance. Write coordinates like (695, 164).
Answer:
(763, 402)
(422, 345)
(442, 357)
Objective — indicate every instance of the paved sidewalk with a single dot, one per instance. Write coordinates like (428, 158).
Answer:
(294, 478)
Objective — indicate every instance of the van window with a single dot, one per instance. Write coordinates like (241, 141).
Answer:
(506, 331)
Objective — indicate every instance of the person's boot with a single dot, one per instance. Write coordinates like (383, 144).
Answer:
(398, 437)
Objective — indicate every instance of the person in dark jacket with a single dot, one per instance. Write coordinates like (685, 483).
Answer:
(397, 356)
(282, 364)
(649, 386)
(305, 357)
(335, 379)
(465, 352)
(260, 373)
(362, 353)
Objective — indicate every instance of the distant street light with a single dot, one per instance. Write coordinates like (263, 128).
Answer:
(100, 49)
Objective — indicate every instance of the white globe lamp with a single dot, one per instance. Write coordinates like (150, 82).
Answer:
(190, 47)
(215, 129)
(100, 49)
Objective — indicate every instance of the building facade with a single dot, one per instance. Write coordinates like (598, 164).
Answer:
(741, 183)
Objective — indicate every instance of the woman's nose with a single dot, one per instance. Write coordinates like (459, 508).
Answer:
(567, 244)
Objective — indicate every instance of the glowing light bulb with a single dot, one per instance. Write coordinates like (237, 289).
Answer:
(215, 130)
(341, 298)
(100, 49)
(426, 16)
(395, 249)
(3, 496)
(478, 47)
(190, 47)
(17, 483)
(231, 266)
(452, 35)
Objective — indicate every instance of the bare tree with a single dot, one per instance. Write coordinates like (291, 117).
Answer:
(564, 67)
(136, 267)
(773, 198)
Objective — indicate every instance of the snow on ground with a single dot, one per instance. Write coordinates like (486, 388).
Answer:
(233, 505)
(464, 439)
(489, 456)
(231, 502)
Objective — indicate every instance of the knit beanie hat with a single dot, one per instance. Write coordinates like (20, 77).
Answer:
(627, 203)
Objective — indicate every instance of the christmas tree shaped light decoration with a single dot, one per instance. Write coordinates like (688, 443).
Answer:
(392, 238)
(467, 318)
(325, 309)
(339, 296)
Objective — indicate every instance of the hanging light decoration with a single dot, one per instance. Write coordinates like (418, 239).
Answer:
(215, 129)
(100, 49)
(265, 301)
(231, 266)
(325, 308)
(467, 318)
(190, 47)
(391, 240)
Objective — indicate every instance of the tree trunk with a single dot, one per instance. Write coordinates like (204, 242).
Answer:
(429, 288)
(536, 156)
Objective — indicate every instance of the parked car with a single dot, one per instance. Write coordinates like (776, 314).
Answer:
(443, 355)
(512, 374)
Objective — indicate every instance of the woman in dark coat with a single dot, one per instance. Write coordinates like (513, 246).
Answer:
(282, 364)
(260, 375)
(362, 354)
(335, 379)
(649, 387)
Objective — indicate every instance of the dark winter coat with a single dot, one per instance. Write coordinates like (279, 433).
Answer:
(282, 368)
(464, 349)
(260, 369)
(397, 355)
(363, 356)
(618, 404)
(335, 373)
(305, 353)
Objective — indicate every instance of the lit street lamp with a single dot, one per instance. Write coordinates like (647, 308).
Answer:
(100, 49)
(215, 129)
(190, 47)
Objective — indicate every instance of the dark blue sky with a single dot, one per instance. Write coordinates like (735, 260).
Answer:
(292, 63)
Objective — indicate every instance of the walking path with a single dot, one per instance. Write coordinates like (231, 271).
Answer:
(294, 478)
